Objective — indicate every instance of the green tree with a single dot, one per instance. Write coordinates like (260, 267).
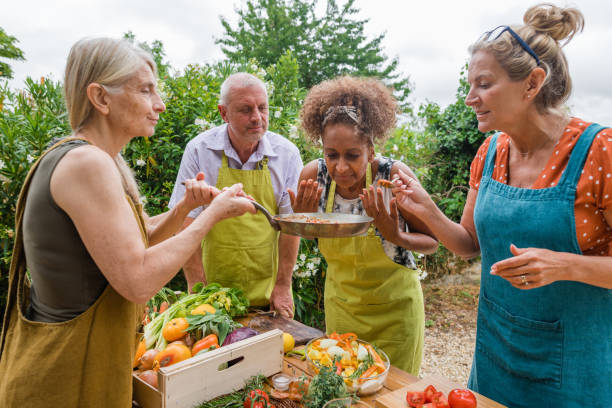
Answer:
(324, 46)
(8, 50)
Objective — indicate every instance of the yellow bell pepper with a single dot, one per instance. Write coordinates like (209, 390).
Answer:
(326, 361)
(203, 309)
(314, 354)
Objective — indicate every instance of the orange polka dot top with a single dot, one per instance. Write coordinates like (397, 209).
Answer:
(594, 189)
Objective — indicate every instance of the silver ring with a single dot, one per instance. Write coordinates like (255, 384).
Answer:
(524, 281)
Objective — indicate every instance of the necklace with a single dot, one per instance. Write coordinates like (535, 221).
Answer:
(528, 153)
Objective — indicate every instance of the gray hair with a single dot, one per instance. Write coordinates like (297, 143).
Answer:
(106, 61)
(239, 80)
(110, 63)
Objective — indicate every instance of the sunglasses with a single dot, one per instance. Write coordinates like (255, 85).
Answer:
(498, 31)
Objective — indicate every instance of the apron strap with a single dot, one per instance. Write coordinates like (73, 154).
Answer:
(330, 198)
(329, 207)
(261, 165)
(572, 172)
(224, 164)
(490, 160)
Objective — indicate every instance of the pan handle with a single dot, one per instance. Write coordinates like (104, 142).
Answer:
(265, 212)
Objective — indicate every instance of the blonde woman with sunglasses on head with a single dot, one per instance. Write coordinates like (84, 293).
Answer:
(93, 255)
(539, 211)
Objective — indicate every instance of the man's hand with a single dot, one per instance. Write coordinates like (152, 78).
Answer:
(281, 300)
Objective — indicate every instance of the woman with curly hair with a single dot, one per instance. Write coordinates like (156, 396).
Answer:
(372, 286)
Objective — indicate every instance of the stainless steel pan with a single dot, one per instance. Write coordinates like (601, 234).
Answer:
(302, 225)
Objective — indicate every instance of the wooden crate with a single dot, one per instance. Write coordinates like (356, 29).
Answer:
(204, 377)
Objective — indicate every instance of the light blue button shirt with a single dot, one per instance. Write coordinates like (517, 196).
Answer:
(204, 152)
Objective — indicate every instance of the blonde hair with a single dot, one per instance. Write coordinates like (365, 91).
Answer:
(110, 63)
(365, 103)
(546, 27)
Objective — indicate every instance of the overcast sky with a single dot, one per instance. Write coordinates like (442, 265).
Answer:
(430, 38)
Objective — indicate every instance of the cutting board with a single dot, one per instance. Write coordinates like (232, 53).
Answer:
(300, 332)
(397, 398)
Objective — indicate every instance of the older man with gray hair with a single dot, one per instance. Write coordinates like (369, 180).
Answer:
(245, 252)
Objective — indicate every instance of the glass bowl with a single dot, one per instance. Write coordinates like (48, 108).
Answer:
(347, 402)
(362, 386)
(282, 381)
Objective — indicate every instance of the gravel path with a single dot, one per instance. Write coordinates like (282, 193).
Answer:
(450, 325)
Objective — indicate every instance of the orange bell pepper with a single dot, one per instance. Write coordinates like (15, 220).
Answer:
(374, 354)
(348, 337)
(368, 373)
(335, 336)
(206, 342)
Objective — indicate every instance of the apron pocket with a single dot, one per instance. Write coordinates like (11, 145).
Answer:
(252, 269)
(391, 321)
(525, 348)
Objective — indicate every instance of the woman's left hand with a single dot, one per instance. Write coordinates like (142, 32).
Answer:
(198, 192)
(531, 267)
(387, 222)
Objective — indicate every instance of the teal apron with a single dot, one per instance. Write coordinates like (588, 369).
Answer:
(549, 346)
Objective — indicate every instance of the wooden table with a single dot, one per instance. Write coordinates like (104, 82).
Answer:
(393, 394)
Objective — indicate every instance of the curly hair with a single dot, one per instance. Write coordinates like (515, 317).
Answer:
(365, 103)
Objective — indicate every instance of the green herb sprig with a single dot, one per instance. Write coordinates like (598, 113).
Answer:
(218, 323)
(325, 386)
(236, 398)
(363, 367)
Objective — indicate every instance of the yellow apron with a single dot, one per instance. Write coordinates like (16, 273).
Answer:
(369, 294)
(82, 362)
(242, 252)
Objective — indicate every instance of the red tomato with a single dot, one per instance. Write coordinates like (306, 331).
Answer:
(460, 398)
(430, 390)
(257, 399)
(415, 398)
(439, 400)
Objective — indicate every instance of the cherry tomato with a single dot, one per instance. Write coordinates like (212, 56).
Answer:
(257, 399)
(415, 398)
(461, 398)
(430, 390)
